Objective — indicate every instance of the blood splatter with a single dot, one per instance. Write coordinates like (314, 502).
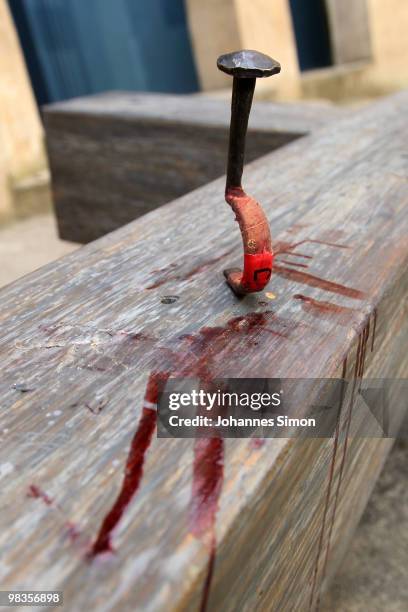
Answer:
(315, 281)
(193, 356)
(288, 247)
(256, 443)
(306, 278)
(37, 493)
(208, 471)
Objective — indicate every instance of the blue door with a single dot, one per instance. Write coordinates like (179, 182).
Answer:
(77, 47)
(310, 24)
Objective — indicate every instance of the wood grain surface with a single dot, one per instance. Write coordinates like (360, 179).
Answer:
(116, 156)
(80, 337)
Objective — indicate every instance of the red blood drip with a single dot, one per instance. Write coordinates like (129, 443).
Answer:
(134, 468)
(207, 482)
(193, 356)
(204, 345)
(374, 330)
(208, 477)
(288, 247)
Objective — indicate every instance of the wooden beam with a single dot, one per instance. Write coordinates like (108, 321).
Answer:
(116, 156)
(79, 338)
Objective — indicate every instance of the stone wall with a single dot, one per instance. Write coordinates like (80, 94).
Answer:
(21, 134)
(220, 26)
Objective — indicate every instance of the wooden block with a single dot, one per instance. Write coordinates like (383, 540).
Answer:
(116, 156)
(80, 337)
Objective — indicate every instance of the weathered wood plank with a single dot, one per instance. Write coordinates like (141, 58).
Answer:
(79, 338)
(117, 156)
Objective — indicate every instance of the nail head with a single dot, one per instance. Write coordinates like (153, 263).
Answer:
(248, 64)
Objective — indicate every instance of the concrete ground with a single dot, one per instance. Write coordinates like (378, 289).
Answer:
(29, 244)
(374, 575)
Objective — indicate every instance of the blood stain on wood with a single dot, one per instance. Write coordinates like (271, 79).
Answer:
(288, 247)
(333, 235)
(358, 372)
(297, 254)
(364, 340)
(37, 493)
(280, 248)
(343, 459)
(187, 275)
(296, 228)
(208, 475)
(330, 483)
(374, 329)
(186, 361)
(73, 532)
(321, 283)
(294, 263)
(335, 245)
(209, 577)
(134, 467)
(248, 325)
(256, 443)
(322, 308)
(165, 268)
